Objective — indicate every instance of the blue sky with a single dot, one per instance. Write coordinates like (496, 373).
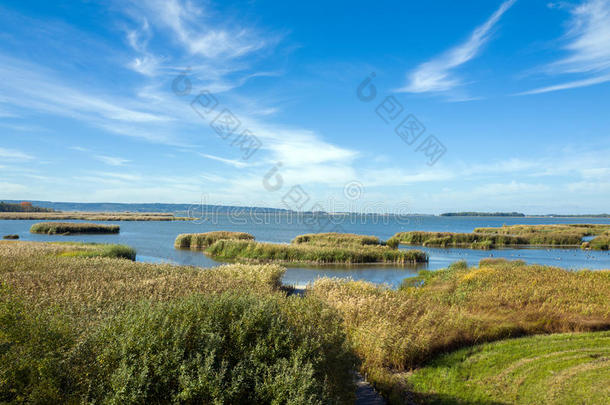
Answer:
(515, 92)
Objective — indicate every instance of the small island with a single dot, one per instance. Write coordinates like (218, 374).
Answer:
(68, 228)
(568, 235)
(483, 214)
(321, 248)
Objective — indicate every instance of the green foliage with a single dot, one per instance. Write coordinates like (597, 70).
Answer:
(23, 207)
(33, 349)
(225, 349)
(66, 228)
(10, 237)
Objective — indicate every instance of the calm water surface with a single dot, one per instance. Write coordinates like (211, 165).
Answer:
(154, 242)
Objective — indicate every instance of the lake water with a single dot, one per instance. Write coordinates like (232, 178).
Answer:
(154, 242)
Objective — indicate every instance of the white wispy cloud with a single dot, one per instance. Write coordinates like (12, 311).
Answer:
(588, 48)
(436, 75)
(111, 160)
(231, 162)
(14, 155)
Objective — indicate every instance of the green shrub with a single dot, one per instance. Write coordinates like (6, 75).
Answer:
(225, 349)
(33, 348)
(10, 237)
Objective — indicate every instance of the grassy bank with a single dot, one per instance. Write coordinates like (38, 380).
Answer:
(394, 331)
(506, 236)
(306, 249)
(67, 228)
(201, 241)
(94, 216)
(553, 369)
(102, 330)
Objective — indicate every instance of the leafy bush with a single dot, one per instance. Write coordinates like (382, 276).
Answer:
(33, 347)
(10, 237)
(225, 349)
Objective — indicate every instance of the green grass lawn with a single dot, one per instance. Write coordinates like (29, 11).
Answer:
(572, 368)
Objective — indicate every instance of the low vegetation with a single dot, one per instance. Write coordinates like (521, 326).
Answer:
(302, 253)
(336, 239)
(482, 214)
(601, 242)
(462, 240)
(93, 216)
(306, 249)
(201, 241)
(394, 331)
(102, 330)
(68, 228)
(10, 237)
(506, 236)
(551, 369)
(24, 206)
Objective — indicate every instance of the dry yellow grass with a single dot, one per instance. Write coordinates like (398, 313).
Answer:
(89, 288)
(95, 216)
(396, 330)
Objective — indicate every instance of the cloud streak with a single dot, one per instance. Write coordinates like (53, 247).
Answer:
(588, 48)
(436, 75)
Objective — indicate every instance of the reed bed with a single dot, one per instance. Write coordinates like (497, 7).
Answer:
(100, 330)
(94, 216)
(201, 241)
(312, 254)
(394, 331)
(463, 240)
(336, 239)
(515, 235)
(306, 249)
(68, 228)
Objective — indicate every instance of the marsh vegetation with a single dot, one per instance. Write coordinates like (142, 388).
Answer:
(309, 248)
(107, 330)
(394, 331)
(507, 236)
(68, 228)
